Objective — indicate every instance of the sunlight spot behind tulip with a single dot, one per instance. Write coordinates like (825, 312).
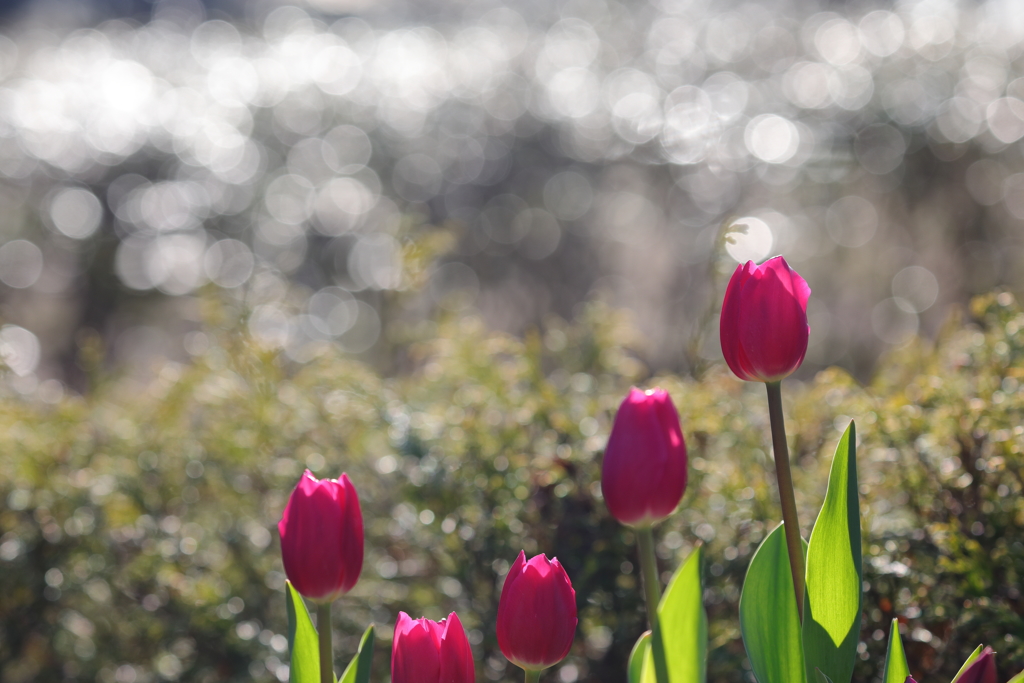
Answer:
(749, 239)
(19, 349)
(76, 212)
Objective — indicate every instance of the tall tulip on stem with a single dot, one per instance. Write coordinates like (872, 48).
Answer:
(643, 478)
(322, 548)
(764, 339)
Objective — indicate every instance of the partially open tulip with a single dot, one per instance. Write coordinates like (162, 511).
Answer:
(322, 537)
(536, 613)
(764, 321)
(981, 670)
(426, 651)
(643, 475)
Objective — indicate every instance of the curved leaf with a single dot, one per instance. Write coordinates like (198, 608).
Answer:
(638, 659)
(832, 602)
(970, 660)
(896, 669)
(768, 616)
(358, 670)
(684, 624)
(302, 640)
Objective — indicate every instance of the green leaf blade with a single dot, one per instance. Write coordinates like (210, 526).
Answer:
(832, 602)
(896, 668)
(768, 616)
(970, 660)
(639, 668)
(684, 624)
(358, 670)
(302, 640)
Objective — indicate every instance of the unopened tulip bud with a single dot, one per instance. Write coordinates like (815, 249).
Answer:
(981, 670)
(643, 475)
(536, 613)
(322, 537)
(764, 321)
(426, 651)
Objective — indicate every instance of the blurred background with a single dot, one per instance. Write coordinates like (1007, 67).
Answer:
(290, 155)
(433, 244)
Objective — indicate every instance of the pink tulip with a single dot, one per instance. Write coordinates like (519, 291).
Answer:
(322, 537)
(981, 670)
(426, 651)
(536, 613)
(643, 475)
(764, 321)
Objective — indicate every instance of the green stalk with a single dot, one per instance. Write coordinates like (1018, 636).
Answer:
(787, 497)
(652, 592)
(531, 676)
(323, 629)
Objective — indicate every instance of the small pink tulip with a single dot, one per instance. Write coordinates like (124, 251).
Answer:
(643, 475)
(536, 613)
(764, 321)
(426, 651)
(322, 537)
(981, 670)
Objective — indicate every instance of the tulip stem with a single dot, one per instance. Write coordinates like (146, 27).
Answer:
(531, 676)
(787, 497)
(652, 592)
(323, 628)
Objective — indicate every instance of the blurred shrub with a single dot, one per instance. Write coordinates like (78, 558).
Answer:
(137, 532)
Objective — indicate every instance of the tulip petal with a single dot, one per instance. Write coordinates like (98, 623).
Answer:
(456, 654)
(730, 324)
(774, 330)
(351, 537)
(981, 670)
(537, 614)
(414, 652)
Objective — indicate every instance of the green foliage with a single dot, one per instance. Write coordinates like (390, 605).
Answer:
(896, 669)
(768, 614)
(832, 608)
(138, 524)
(358, 670)
(303, 648)
(684, 627)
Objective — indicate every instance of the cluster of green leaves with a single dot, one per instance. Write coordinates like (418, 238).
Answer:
(138, 524)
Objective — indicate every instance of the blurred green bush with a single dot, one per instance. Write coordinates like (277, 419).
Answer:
(138, 525)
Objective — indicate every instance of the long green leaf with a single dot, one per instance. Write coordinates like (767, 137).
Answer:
(358, 670)
(832, 604)
(1019, 678)
(302, 641)
(638, 658)
(970, 660)
(768, 616)
(820, 677)
(896, 669)
(684, 624)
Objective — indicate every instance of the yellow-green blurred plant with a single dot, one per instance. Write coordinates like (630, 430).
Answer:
(137, 524)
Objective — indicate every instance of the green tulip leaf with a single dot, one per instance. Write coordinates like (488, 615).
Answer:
(768, 616)
(639, 657)
(896, 669)
(302, 640)
(970, 660)
(820, 677)
(358, 670)
(684, 624)
(832, 601)
(1019, 678)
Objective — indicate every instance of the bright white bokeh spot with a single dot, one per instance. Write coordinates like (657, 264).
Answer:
(19, 349)
(749, 239)
(772, 138)
(76, 212)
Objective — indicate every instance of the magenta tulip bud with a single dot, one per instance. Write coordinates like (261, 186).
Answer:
(426, 651)
(536, 613)
(764, 321)
(643, 475)
(981, 670)
(322, 537)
